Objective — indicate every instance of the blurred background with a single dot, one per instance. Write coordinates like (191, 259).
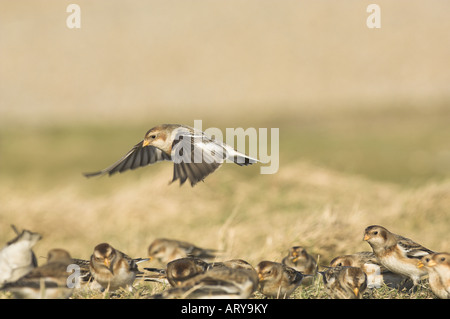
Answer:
(364, 119)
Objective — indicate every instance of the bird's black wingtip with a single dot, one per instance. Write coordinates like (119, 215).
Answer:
(87, 175)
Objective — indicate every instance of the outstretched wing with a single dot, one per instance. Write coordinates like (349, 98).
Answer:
(138, 156)
(191, 162)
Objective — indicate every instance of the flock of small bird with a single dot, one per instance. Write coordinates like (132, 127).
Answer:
(194, 273)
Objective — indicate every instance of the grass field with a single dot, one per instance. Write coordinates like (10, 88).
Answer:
(338, 174)
(363, 118)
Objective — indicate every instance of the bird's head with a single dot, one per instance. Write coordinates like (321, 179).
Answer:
(157, 137)
(104, 254)
(375, 235)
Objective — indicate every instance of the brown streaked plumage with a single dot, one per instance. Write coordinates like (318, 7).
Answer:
(344, 282)
(49, 281)
(166, 250)
(277, 280)
(376, 273)
(193, 153)
(111, 269)
(217, 282)
(397, 253)
(180, 270)
(438, 267)
(299, 259)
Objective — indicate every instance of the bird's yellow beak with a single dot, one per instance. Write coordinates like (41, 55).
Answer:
(366, 237)
(145, 143)
(106, 262)
(295, 259)
(260, 276)
(356, 291)
(420, 264)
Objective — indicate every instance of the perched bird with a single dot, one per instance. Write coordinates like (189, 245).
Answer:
(344, 282)
(85, 271)
(166, 250)
(218, 282)
(376, 273)
(277, 280)
(180, 271)
(49, 281)
(194, 154)
(233, 264)
(438, 267)
(398, 254)
(111, 268)
(299, 259)
(17, 257)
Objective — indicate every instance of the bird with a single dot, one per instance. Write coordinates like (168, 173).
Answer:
(111, 268)
(17, 257)
(194, 154)
(397, 253)
(299, 259)
(49, 281)
(181, 270)
(277, 280)
(166, 250)
(376, 273)
(344, 282)
(86, 277)
(233, 264)
(218, 282)
(438, 267)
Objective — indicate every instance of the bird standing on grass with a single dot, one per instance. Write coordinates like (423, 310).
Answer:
(166, 250)
(48, 281)
(277, 280)
(299, 259)
(396, 253)
(17, 257)
(194, 154)
(438, 267)
(111, 268)
(232, 279)
(376, 273)
(344, 282)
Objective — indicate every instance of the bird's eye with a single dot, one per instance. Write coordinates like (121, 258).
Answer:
(339, 265)
(375, 233)
(443, 259)
(153, 136)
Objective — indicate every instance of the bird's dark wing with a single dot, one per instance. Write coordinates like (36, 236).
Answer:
(412, 249)
(138, 156)
(191, 162)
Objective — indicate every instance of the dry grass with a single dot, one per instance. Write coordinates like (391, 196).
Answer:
(257, 217)
(363, 118)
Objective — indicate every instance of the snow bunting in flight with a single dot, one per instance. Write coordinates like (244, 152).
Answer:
(194, 154)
